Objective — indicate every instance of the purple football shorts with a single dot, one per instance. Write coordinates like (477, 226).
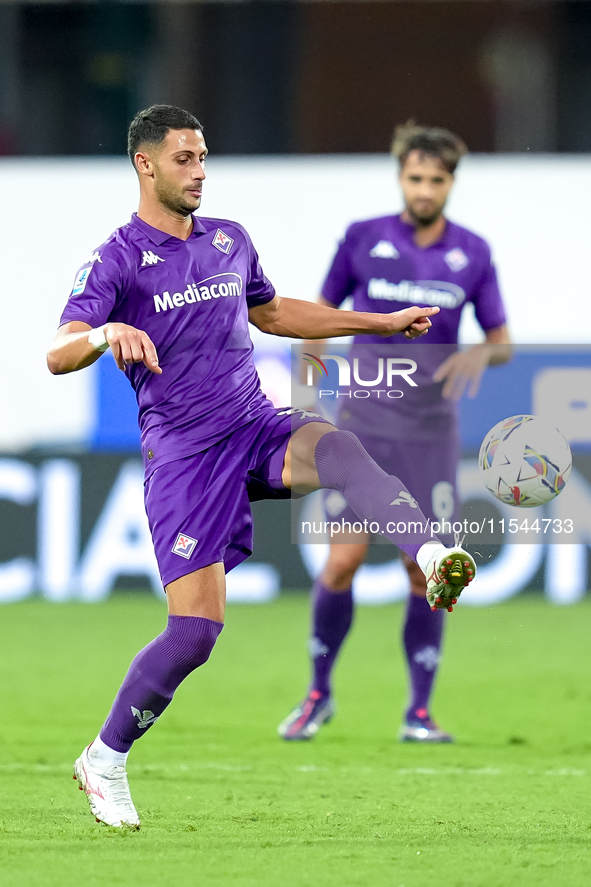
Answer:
(199, 507)
(427, 468)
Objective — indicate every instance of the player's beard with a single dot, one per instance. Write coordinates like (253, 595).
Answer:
(172, 200)
(423, 221)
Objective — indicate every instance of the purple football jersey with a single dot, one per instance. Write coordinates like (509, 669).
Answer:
(381, 267)
(192, 298)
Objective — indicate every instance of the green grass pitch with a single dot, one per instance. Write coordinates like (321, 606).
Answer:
(225, 802)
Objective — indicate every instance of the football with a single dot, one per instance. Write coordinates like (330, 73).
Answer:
(525, 461)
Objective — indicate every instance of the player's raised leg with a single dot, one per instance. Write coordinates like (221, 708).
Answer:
(196, 612)
(321, 456)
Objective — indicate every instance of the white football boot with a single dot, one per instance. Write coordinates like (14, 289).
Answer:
(448, 572)
(107, 793)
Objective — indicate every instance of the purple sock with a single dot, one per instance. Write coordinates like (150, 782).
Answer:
(344, 465)
(331, 620)
(154, 675)
(422, 642)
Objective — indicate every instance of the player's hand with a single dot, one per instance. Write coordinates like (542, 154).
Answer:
(463, 370)
(413, 322)
(130, 345)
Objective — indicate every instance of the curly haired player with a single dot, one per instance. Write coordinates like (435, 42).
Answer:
(417, 256)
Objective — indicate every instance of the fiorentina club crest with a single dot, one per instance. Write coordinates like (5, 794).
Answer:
(222, 242)
(184, 545)
(456, 259)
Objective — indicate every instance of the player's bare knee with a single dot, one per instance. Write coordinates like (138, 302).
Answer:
(201, 593)
(299, 468)
(418, 583)
(342, 564)
(337, 582)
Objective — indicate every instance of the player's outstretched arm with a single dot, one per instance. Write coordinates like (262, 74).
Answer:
(308, 320)
(72, 351)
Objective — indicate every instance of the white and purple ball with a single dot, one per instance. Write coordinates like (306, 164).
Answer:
(525, 461)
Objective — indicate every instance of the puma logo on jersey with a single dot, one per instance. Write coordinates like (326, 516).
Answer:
(405, 498)
(150, 258)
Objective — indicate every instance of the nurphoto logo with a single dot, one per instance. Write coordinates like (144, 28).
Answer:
(386, 372)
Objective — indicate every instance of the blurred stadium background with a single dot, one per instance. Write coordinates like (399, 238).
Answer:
(299, 100)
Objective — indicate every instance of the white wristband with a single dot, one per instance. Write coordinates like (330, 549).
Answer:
(97, 339)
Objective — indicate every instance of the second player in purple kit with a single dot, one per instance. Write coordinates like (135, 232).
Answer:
(416, 257)
(172, 296)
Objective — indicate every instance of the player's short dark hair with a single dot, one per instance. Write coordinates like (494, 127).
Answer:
(149, 127)
(430, 141)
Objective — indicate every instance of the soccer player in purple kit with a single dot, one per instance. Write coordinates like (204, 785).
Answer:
(172, 295)
(420, 257)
